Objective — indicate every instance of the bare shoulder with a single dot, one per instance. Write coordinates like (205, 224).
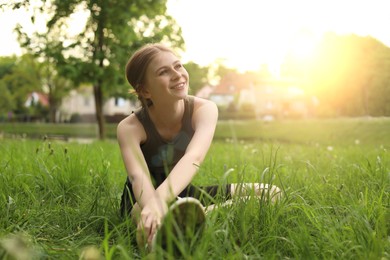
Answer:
(205, 112)
(204, 103)
(130, 128)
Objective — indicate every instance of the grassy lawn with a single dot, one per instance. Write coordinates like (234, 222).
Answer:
(59, 198)
(369, 131)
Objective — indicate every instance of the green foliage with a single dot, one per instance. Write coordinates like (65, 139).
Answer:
(52, 70)
(19, 78)
(7, 65)
(6, 102)
(198, 76)
(31, 73)
(222, 71)
(379, 99)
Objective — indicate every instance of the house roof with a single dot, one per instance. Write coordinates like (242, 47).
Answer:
(205, 92)
(37, 97)
(233, 83)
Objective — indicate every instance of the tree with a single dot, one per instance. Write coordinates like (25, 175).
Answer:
(378, 98)
(19, 81)
(47, 50)
(57, 87)
(198, 76)
(7, 65)
(112, 31)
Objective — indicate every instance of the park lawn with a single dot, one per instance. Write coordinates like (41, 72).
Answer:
(367, 131)
(62, 197)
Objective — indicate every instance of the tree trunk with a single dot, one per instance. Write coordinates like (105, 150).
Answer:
(97, 88)
(52, 105)
(52, 114)
(98, 95)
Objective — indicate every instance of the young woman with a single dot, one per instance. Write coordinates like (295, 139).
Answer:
(164, 142)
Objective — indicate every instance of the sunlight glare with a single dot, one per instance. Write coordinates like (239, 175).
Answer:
(246, 34)
(303, 46)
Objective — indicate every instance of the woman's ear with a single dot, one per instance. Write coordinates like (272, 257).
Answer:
(144, 92)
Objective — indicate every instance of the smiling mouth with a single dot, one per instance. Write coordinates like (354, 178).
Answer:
(179, 86)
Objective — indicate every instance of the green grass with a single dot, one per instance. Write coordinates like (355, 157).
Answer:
(61, 197)
(38, 130)
(367, 131)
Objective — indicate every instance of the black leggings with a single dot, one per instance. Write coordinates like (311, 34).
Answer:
(205, 194)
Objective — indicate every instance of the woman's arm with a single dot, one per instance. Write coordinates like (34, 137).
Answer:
(150, 208)
(130, 134)
(204, 121)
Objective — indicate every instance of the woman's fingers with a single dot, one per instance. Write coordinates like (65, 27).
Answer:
(155, 226)
(150, 220)
(147, 228)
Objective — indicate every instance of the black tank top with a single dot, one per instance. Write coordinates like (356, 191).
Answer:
(162, 155)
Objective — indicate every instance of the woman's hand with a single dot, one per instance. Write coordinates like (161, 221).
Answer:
(150, 220)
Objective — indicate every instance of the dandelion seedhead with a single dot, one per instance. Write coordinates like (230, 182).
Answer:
(16, 247)
(90, 253)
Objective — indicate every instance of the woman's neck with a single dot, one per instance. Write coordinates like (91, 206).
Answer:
(167, 118)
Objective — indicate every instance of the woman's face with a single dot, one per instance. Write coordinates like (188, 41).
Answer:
(166, 78)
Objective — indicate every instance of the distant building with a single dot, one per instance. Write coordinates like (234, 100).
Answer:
(230, 88)
(35, 98)
(266, 98)
(79, 106)
(223, 96)
(205, 92)
(280, 100)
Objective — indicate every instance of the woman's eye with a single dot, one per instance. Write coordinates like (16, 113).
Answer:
(163, 72)
(178, 66)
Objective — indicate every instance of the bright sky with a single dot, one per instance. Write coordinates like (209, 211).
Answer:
(247, 33)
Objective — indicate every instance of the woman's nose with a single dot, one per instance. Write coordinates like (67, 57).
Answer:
(176, 74)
